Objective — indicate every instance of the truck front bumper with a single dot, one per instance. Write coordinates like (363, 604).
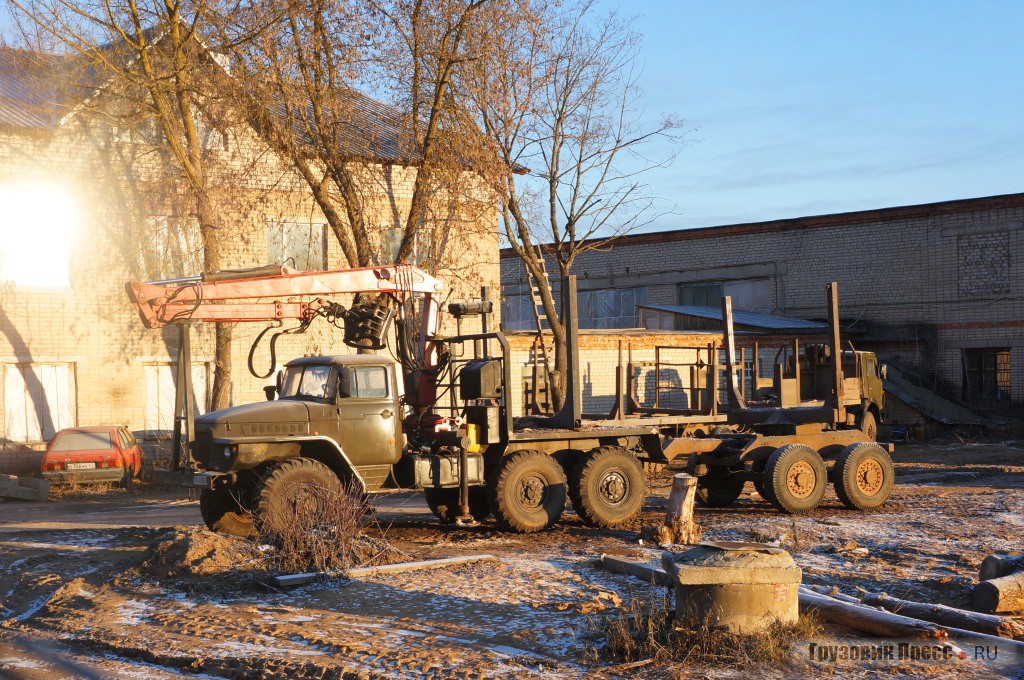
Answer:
(186, 478)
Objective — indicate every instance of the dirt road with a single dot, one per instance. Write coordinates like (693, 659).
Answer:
(78, 574)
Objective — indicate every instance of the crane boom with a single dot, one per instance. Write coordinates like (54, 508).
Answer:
(278, 293)
(208, 298)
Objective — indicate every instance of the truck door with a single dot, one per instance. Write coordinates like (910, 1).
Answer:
(367, 415)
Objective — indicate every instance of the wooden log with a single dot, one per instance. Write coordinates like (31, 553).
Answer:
(833, 593)
(995, 566)
(1003, 594)
(948, 616)
(867, 620)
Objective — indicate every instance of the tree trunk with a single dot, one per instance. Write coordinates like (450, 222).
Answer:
(947, 616)
(220, 394)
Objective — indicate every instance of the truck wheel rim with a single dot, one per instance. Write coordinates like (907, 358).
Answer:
(614, 487)
(800, 479)
(531, 492)
(869, 477)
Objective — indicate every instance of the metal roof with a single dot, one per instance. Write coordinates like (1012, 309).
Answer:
(741, 318)
(37, 90)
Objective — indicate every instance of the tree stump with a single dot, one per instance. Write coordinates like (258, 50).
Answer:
(679, 527)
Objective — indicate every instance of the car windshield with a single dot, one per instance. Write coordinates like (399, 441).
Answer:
(309, 382)
(82, 441)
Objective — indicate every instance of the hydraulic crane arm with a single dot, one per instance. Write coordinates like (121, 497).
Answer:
(227, 296)
(279, 293)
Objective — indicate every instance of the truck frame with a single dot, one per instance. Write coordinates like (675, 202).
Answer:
(465, 450)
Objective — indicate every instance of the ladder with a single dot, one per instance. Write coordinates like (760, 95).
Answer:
(540, 319)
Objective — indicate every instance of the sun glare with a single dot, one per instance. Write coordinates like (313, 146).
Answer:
(37, 224)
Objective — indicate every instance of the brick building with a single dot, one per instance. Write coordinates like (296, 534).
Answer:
(936, 289)
(88, 206)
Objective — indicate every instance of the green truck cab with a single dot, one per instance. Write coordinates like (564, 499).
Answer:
(335, 419)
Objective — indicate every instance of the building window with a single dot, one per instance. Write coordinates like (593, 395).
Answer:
(612, 308)
(159, 397)
(39, 400)
(700, 294)
(300, 245)
(38, 226)
(986, 377)
(422, 245)
(172, 248)
(516, 313)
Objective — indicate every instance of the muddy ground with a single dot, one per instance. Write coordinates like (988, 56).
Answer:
(128, 585)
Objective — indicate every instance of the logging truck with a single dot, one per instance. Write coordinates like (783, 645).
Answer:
(439, 419)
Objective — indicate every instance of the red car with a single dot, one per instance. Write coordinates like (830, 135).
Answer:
(92, 454)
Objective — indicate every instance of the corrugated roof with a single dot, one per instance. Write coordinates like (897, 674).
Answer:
(741, 318)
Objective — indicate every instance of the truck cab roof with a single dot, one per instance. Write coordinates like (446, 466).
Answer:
(342, 360)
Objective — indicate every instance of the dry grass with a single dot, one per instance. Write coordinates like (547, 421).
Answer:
(646, 629)
(325, 531)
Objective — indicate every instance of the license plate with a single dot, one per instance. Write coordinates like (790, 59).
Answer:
(81, 466)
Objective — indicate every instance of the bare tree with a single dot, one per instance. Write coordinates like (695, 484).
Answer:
(151, 73)
(557, 95)
(300, 67)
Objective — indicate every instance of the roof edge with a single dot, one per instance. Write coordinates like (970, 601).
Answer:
(816, 221)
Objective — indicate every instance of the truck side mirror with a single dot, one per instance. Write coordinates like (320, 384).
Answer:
(279, 381)
(883, 372)
(270, 391)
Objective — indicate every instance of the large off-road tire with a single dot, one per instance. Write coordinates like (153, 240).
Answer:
(527, 491)
(224, 514)
(869, 426)
(719, 488)
(444, 503)
(796, 478)
(608, 487)
(284, 486)
(863, 476)
(762, 490)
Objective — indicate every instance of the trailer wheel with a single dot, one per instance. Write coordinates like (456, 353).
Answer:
(864, 476)
(796, 478)
(222, 512)
(719, 488)
(869, 426)
(527, 491)
(444, 503)
(762, 490)
(287, 485)
(607, 487)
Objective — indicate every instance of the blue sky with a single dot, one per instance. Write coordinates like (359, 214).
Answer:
(806, 108)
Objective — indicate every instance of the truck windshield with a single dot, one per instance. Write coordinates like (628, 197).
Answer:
(309, 382)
